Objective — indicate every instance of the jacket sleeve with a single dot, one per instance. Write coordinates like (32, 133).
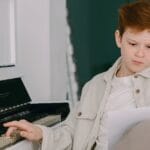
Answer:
(60, 137)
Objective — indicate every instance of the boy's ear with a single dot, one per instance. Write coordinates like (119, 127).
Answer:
(118, 38)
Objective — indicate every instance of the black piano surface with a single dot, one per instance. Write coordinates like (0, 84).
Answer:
(15, 104)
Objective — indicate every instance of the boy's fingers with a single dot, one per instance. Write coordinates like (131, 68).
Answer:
(10, 131)
(20, 125)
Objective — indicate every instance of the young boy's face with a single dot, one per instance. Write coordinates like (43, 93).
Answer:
(135, 50)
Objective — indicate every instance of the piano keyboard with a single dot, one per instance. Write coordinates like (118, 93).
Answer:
(47, 121)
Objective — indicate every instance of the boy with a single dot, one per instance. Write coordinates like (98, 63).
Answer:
(124, 86)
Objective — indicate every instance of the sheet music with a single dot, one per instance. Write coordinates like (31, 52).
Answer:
(120, 121)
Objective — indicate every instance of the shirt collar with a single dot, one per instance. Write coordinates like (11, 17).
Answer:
(113, 70)
(145, 73)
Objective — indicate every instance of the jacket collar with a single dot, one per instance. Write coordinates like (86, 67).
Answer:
(108, 75)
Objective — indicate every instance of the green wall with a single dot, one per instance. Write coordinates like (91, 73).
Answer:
(93, 23)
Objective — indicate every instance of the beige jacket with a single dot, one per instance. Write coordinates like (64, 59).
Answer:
(81, 128)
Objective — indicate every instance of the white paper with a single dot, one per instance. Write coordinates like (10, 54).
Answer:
(120, 121)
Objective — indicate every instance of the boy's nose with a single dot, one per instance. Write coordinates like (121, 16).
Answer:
(140, 52)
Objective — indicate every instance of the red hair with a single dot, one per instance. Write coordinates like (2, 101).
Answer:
(134, 15)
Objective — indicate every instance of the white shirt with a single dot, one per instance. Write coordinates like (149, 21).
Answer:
(121, 97)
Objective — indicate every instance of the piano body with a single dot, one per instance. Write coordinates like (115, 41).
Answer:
(15, 104)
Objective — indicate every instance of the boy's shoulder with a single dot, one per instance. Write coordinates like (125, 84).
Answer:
(96, 80)
(98, 77)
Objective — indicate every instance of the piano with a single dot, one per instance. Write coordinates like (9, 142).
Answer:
(15, 104)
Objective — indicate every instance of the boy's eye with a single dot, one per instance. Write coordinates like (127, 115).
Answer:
(132, 44)
(148, 46)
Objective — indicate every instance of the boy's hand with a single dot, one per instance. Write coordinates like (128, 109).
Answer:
(25, 128)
